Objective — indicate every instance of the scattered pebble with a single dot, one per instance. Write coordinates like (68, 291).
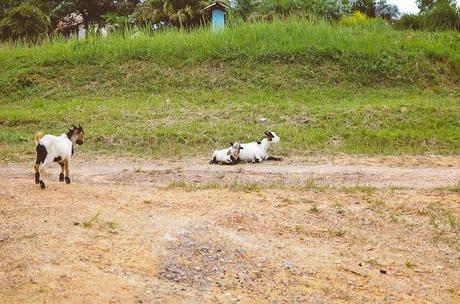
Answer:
(289, 264)
(383, 271)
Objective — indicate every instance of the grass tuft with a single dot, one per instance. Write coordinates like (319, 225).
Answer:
(89, 222)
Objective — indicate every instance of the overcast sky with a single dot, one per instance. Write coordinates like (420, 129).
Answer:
(407, 6)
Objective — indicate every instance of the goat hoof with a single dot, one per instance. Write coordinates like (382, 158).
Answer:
(67, 180)
(42, 185)
(61, 177)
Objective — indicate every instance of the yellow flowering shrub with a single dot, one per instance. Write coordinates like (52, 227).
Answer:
(356, 18)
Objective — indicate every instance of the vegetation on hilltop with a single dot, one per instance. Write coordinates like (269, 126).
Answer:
(283, 54)
(434, 14)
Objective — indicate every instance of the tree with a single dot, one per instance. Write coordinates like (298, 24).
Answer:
(6, 5)
(243, 8)
(90, 10)
(180, 13)
(426, 5)
(371, 8)
(24, 22)
(126, 7)
(367, 7)
(386, 10)
(45, 5)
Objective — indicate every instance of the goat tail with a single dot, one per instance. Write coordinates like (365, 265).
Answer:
(38, 136)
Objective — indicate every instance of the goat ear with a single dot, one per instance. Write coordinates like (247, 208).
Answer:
(267, 133)
(241, 148)
(229, 152)
(74, 126)
(231, 144)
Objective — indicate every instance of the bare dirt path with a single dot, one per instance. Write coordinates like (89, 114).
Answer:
(339, 171)
(135, 231)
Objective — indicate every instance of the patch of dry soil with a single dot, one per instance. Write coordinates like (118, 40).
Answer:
(117, 235)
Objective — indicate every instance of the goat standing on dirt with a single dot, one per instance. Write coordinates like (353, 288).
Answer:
(228, 156)
(59, 149)
(255, 152)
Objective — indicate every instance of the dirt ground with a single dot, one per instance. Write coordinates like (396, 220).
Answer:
(335, 229)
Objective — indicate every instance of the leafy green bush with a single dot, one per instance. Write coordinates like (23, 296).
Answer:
(24, 22)
(114, 21)
(440, 16)
(410, 21)
(443, 16)
(269, 9)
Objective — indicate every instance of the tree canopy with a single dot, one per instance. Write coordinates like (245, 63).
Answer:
(90, 10)
(24, 22)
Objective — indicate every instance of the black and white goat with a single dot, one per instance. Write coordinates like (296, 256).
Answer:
(229, 156)
(58, 149)
(255, 152)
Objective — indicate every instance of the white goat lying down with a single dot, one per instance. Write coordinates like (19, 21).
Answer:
(229, 156)
(255, 152)
(58, 149)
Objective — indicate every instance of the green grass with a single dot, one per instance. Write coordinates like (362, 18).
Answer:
(324, 88)
(181, 123)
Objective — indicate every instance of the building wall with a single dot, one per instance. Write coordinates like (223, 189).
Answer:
(81, 34)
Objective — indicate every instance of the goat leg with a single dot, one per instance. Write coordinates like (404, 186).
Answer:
(61, 175)
(66, 168)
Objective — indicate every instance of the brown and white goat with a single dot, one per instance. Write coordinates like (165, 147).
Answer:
(229, 156)
(51, 149)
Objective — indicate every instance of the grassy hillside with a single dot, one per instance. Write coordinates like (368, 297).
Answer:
(322, 87)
